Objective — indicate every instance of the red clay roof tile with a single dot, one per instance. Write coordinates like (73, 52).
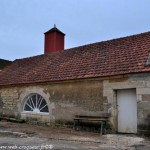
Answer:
(115, 57)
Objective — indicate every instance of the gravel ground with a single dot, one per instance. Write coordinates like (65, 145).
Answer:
(27, 137)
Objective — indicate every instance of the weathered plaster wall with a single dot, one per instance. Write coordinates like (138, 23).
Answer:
(9, 99)
(64, 100)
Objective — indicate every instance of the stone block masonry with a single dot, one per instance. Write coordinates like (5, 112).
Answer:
(89, 96)
(65, 100)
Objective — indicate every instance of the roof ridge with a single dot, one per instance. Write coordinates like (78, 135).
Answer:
(82, 46)
(30, 57)
(111, 40)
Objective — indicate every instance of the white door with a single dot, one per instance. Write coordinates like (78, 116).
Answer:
(127, 111)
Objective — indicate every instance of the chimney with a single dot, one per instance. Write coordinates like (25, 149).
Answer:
(54, 40)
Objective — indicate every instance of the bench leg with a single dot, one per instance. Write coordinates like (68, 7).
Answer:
(105, 126)
(101, 129)
(75, 124)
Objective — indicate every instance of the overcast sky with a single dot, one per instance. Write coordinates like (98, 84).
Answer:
(23, 22)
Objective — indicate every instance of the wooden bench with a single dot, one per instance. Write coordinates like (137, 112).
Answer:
(101, 120)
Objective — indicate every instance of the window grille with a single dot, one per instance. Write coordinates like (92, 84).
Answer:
(35, 103)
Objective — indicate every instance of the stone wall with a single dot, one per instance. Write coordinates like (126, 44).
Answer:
(91, 96)
(65, 99)
(141, 82)
(9, 99)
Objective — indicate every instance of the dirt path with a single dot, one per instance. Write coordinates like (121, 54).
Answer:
(27, 137)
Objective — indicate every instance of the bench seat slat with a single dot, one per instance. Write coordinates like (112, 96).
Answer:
(91, 119)
(83, 116)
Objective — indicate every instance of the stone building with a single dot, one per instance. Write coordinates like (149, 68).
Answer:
(111, 76)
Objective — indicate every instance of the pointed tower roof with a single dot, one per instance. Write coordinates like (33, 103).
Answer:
(54, 29)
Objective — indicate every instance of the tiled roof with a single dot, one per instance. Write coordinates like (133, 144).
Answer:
(115, 57)
(4, 63)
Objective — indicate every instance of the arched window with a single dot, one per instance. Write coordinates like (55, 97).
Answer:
(35, 103)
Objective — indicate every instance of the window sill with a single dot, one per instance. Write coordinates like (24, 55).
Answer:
(33, 113)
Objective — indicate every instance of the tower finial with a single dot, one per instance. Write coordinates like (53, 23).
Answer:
(54, 25)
